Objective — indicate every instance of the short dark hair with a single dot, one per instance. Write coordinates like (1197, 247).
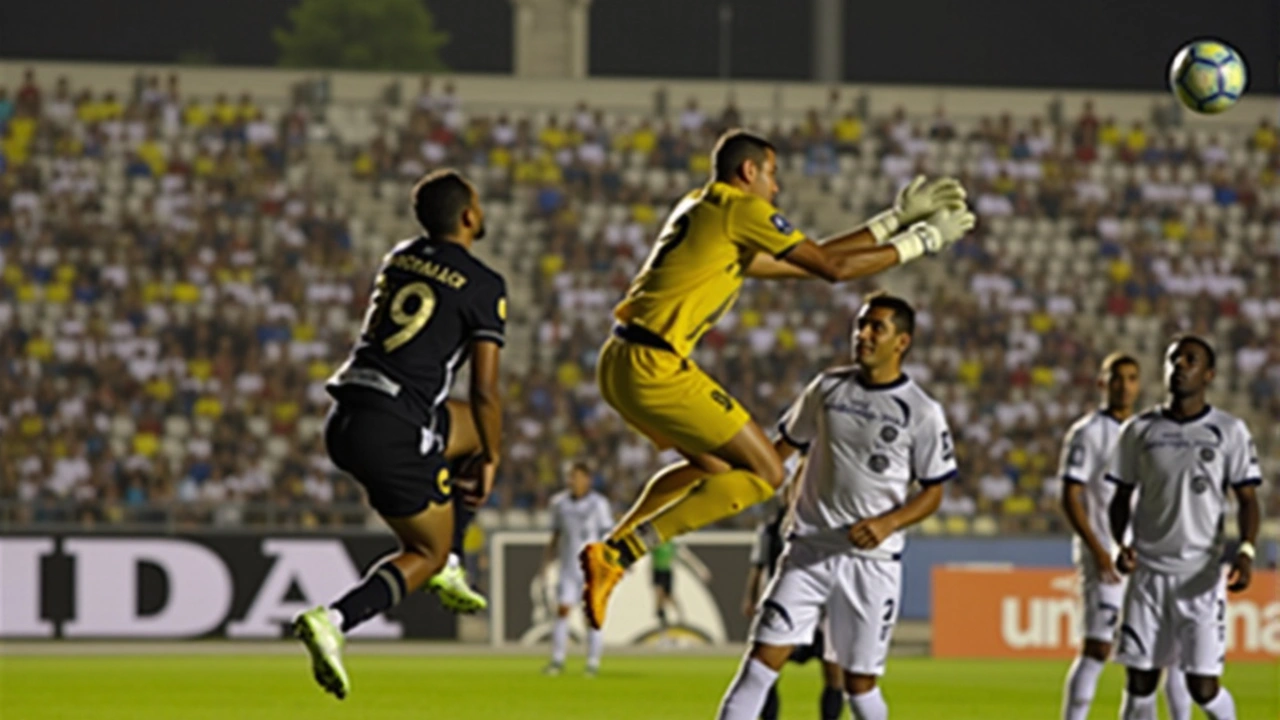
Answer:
(736, 147)
(581, 466)
(904, 316)
(1210, 355)
(438, 201)
(1115, 360)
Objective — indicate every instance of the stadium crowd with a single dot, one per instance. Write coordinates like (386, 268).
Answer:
(173, 294)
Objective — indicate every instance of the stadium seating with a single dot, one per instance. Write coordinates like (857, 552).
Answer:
(178, 278)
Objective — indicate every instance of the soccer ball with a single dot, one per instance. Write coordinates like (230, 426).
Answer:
(1208, 76)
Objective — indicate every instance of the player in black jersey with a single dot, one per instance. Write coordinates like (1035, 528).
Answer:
(765, 552)
(393, 427)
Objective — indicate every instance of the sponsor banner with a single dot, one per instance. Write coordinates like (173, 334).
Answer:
(192, 586)
(525, 595)
(1037, 613)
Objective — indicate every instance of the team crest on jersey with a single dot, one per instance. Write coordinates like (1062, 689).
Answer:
(1075, 458)
(878, 463)
(1206, 454)
(781, 224)
(888, 433)
(1199, 485)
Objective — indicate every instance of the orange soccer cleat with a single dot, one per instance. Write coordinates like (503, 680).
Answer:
(601, 572)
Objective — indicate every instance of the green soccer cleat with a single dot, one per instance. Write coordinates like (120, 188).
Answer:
(324, 642)
(455, 594)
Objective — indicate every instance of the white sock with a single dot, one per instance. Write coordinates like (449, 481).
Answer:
(453, 561)
(746, 694)
(1082, 683)
(335, 617)
(595, 648)
(559, 640)
(869, 706)
(1221, 707)
(1138, 707)
(1177, 696)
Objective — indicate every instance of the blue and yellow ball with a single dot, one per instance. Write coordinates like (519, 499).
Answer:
(1208, 76)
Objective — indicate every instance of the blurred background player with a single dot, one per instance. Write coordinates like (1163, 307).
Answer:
(1086, 496)
(714, 238)
(662, 559)
(867, 432)
(579, 515)
(765, 552)
(433, 306)
(1181, 458)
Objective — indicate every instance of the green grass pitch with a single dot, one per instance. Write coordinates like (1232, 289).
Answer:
(258, 687)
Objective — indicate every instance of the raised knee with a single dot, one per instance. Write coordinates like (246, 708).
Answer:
(771, 471)
(1202, 689)
(859, 684)
(1142, 683)
(1097, 650)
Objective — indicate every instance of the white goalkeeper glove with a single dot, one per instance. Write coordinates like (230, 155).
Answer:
(943, 229)
(916, 201)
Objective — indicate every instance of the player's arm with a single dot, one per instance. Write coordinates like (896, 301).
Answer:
(486, 312)
(862, 251)
(549, 554)
(699, 568)
(1076, 458)
(1118, 515)
(755, 574)
(869, 533)
(1250, 517)
(486, 408)
(1245, 476)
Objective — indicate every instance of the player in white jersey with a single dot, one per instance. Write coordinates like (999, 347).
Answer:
(1182, 459)
(867, 432)
(579, 515)
(1086, 496)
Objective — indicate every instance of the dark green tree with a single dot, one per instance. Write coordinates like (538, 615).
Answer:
(362, 35)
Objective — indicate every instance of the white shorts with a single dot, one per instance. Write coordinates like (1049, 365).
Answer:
(860, 596)
(1175, 621)
(569, 590)
(1102, 605)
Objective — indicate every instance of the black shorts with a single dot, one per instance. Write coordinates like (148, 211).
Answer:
(401, 466)
(662, 579)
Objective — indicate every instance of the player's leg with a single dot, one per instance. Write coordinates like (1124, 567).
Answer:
(772, 704)
(676, 404)
(668, 485)
(385, 455)
(1176, 695)
(1200, 609)
(662, 595)
(559, 640)
(787, 616)
(461, 446)
(832, 703)
(595, 651)
(1139, 699)
(863, 611)
(1102, 603)
(1145, 643)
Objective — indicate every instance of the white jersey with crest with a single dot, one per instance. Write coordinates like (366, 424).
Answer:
(1182, 471)
(865, 444)
(579, 521)
(1086, 453)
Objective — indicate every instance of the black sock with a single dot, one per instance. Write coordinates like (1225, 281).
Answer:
(626, 555)
(462, 517)
(772, 705)
(381, 590)
(662, 616)
(832, 703)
